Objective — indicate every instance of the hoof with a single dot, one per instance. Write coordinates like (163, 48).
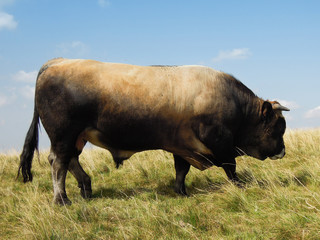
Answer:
(85, 189)
(62, 201)
(237, 182)
(181, 192)
(86, 193)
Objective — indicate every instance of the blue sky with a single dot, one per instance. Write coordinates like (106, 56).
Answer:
(271, 46)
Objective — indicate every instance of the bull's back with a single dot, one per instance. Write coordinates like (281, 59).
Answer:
(147, 90)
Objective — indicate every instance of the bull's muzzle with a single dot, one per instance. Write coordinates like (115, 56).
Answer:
(280, 155)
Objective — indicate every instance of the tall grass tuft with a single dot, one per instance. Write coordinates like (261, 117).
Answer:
(280, 199)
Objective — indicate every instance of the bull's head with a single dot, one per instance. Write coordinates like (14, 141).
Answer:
(264, 133)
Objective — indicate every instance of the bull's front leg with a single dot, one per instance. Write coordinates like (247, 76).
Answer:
(182, 168)
(230, 169)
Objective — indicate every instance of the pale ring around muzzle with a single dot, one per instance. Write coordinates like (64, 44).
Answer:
(280, 155)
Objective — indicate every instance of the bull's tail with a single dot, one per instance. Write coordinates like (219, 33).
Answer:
(30, 145)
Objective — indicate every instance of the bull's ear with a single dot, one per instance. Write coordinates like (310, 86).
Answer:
(266, 111)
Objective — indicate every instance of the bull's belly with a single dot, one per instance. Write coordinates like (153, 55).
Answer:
(197, 155)
(102, 140)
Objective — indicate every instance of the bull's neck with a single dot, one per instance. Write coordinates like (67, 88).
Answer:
(251, 108)
(248, 103)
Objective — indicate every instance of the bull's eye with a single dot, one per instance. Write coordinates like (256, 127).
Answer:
(281, 125)
(278, 128)
(269, 131)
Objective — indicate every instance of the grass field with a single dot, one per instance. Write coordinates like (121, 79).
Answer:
(281, 199)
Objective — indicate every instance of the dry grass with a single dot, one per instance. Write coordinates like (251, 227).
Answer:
(281, 199)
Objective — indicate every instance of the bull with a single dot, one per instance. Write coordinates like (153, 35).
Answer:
(202, 116)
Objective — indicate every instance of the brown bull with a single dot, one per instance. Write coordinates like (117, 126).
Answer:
(204, 117)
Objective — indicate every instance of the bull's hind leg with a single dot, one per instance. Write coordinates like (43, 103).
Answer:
(182, 168)
(84, 181)
(59, 167)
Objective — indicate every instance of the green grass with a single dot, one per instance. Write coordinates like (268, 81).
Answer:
(281, 199)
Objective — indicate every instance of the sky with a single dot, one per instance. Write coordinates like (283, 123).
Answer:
(273, 47)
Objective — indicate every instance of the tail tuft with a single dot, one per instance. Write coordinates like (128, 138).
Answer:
(30, 145)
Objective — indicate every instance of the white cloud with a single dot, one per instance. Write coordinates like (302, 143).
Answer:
(237, 53)
(313, 113)
(3, 100)
(9, 97)
(7, 21)
(73, 49)
(103, 3)
(22, 76)
(27, 92)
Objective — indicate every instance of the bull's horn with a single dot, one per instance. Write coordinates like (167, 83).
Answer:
(278, 106)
